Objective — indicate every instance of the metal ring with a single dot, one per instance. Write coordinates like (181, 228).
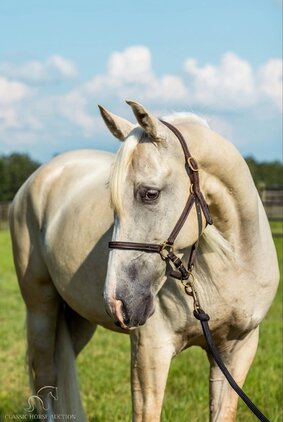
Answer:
(189, 161)
(189, 282)
(163, 249)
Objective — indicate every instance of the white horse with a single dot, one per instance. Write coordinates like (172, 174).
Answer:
(62, 220)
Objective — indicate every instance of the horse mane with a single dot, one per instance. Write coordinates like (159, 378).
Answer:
(214, 254)
(188, 117)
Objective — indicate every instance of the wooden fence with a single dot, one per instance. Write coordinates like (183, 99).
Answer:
(272, 199)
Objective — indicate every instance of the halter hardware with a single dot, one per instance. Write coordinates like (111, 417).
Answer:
(192, 163)
(190, 289)
(165, 249)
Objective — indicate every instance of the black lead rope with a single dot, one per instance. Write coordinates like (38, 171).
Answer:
(204, 318)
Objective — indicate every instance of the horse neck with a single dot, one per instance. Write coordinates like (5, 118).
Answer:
(226, 183)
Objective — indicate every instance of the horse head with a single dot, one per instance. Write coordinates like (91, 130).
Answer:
(149, 189)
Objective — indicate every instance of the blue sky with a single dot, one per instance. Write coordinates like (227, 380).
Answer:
(59, 59)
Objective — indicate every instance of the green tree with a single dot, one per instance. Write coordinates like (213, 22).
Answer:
(267, 173)
(14, 170)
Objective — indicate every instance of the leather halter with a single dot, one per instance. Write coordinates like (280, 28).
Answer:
(196, 197)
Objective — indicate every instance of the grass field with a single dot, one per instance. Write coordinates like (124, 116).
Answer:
(104, 365)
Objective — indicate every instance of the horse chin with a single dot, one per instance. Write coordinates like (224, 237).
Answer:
(125, 327)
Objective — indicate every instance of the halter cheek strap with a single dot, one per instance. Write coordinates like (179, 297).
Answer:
(196, 197)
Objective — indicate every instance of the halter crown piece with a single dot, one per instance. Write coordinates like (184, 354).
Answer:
(196, 197)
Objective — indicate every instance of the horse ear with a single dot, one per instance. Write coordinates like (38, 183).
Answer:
(148, 121)
(119, 127)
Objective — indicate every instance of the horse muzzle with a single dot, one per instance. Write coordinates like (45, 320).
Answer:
(131, 314)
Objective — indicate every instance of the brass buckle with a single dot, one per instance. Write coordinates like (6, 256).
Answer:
(164, 251)
(189, 161)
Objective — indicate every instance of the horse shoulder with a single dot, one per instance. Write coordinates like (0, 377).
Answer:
(52, 201)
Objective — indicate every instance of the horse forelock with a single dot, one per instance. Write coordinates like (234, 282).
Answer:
(120, 168)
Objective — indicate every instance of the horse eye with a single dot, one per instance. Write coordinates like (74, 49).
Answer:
(149, 195)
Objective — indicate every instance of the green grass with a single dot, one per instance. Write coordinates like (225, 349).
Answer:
(277, 227)
(104, 365)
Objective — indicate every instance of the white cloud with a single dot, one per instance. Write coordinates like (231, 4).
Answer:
(73, 107)
(63, 66)
(19, 116)
(130, 65)
(229, 84)
(12, 91)
(130, 74)
(54, 68)
(32, 116)
(220, 125)
(270, 81)
(8, 118)
(168, 87)
(232, 84)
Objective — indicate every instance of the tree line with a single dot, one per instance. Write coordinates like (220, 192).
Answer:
(16, 168)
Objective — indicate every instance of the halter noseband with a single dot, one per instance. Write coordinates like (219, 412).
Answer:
(196, 197)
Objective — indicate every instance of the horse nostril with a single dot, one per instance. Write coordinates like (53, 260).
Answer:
(121, 313)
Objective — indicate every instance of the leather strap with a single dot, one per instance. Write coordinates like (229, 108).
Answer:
(145, 247)
(179, 135)
(192, 170)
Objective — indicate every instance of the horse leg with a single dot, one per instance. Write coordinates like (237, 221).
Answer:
(151, 353)
(81, 330)
(40, 296)
(238, 357)
(51, 353)
(42, 313)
